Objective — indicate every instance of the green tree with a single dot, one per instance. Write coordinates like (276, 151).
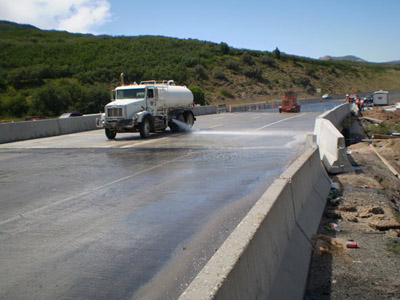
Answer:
(3, 83)
(224, 48)
(276, 53)
(51, 100)
(17, 106)
(198, 95)
(95, 98)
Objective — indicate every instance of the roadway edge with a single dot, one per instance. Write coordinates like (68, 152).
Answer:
(268, 254)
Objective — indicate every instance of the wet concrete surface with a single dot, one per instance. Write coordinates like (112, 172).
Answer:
(82, 217)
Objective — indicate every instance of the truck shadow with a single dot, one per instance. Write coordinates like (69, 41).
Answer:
(129, 136)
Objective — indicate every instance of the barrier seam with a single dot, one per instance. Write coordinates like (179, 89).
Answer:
(316, 191)
(294, 213)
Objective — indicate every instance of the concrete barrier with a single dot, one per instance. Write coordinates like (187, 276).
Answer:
(18, 131)
(265, 105)
(331, 142)
(78, 124)
(337, 115)
(267, 255)
(205, 110)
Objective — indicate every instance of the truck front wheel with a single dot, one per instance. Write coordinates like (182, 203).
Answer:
(110, 134)
(144, 129)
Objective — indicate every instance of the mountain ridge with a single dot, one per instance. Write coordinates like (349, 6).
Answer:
(354, 58)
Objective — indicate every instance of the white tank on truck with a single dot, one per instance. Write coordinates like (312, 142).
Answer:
(148, 107)
(177, 96)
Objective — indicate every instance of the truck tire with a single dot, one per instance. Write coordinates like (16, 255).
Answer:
(175, 127)
(144, 128)
(189, 119)
(181, 118)
(110, 134)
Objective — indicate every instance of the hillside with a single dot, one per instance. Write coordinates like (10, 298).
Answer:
(50, 72)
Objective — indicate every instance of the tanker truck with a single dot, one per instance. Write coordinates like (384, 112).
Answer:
(147, 107)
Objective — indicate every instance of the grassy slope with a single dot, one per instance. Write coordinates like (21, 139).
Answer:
(224, 74)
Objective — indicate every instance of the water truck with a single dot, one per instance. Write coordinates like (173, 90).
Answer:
(147, 107)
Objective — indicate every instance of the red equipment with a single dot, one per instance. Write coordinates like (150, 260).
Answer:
(289, 103)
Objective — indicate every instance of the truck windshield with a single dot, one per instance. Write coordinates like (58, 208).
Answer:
(130, 94)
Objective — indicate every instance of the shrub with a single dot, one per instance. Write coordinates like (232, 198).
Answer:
(247, 59)
(333, 71)
(253, 73)
(198, 95)
(232, 65)
(200, 71)
(393, 246)
(190, 62)
(381, 128)
(220, 74)
(16, 106)
(311, 90)
(303, 81)
(396, 128)
(226, 93)
(268, 61)
(310, 71)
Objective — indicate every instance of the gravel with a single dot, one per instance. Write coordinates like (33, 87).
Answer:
(364, 205)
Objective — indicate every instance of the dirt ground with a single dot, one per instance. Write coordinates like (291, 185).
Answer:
(363, 207)
(379, 113)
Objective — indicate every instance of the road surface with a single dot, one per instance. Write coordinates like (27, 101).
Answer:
(83, 217)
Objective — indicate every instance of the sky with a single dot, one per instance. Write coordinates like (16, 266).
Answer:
(368, 29)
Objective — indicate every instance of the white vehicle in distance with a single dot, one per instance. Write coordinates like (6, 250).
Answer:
(326, 96)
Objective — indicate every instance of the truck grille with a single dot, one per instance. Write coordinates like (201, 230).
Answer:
(114, 112)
